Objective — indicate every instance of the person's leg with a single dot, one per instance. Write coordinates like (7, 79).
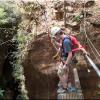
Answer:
(64, 78)
(61, 79)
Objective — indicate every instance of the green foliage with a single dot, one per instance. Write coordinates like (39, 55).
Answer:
(8, 12)
(98, 85)
(1, 93)
(77, 18)
(2, 13)
(98, 93)
(21, 38)
(18, 73)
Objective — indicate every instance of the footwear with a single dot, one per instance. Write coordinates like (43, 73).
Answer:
(72, 89)
(59, 84)
(61, 90)
(74, 60)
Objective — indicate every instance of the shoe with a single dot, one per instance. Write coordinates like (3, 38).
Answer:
(61, 90)
(59, 84)
(72, 89)
(75, 61)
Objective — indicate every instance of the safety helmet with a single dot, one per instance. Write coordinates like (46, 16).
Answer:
(54, 30)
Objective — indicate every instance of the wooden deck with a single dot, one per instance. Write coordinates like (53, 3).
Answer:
(72, 95)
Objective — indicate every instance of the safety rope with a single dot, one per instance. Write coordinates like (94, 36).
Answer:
(86, 40)
(87, 35)
(50, 38)
(93, 52)
(47, 28)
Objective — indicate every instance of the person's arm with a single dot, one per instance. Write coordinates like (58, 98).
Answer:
(59, 44)
(68, 58)
(81, 48)
(68, 50)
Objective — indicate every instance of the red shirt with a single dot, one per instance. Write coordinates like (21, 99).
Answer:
(74, 42)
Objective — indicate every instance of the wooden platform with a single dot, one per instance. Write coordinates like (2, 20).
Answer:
(71, 96)
(74, 95)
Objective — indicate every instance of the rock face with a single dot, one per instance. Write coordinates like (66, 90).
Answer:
(5, 35)
(40, 70)
(39, 67)
(95, 20)
(86, 3)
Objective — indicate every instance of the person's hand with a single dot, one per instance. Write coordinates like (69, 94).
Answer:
(65, 66)
(84, 51)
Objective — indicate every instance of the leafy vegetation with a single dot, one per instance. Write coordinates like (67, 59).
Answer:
(19, 23)
(3, 18)
(10, 17)
(77, 18)
(1, 93)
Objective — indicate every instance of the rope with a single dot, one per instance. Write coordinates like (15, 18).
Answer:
(93, 47)
(51, 40)
(46, 25)
(93, 52)
(87, 35)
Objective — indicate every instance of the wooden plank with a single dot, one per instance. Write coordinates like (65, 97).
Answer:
(77, 82)
(70, 96)
(73, 95)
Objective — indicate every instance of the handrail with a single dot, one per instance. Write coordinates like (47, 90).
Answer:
(93, 65)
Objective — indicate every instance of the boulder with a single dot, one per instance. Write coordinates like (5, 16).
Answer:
(72, 24)
(69, 9)
(86, 3)
(89, 3)
(95, 20)
(59, 15)
(58, 5)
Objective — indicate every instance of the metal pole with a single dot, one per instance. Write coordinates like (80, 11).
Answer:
(93, 65)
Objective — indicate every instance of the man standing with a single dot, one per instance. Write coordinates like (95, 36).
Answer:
(65, 45)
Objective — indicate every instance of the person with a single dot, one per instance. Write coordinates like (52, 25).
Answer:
(66, 49)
